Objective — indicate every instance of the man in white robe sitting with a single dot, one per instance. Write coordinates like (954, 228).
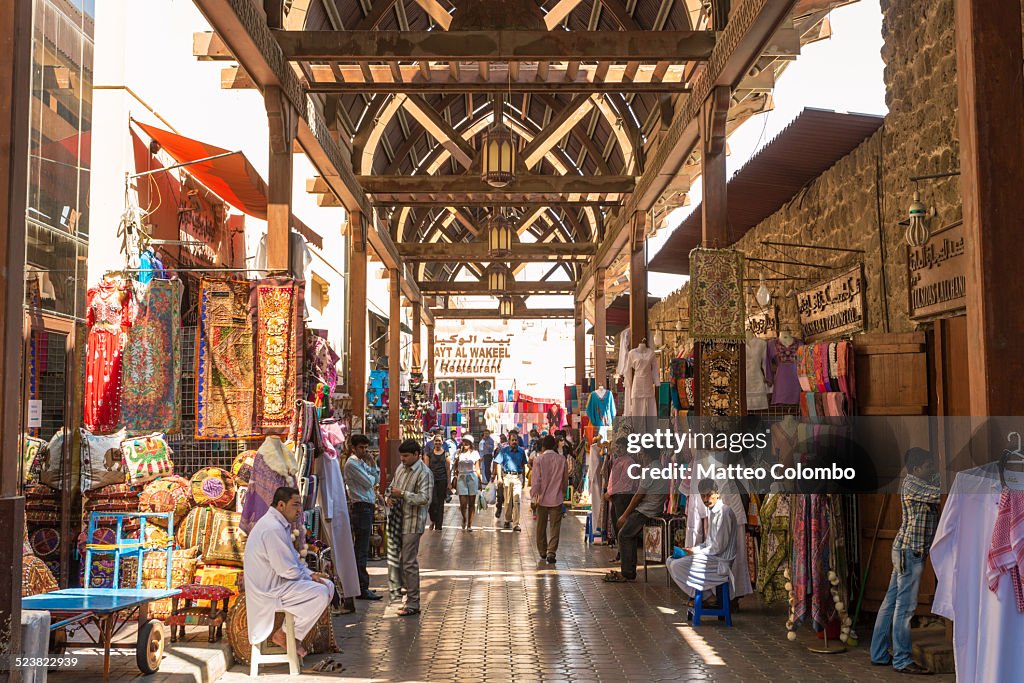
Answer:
(709, 564)
(277, 579)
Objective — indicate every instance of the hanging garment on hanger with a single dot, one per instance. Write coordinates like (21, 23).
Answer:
(624, 344)
(109, 317)
(601, 408)
(780, 371)
(757, 388)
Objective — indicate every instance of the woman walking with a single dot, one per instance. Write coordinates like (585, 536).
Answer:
(437, 460)
(467, 480)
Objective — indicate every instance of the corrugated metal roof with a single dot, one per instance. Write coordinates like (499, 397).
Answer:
(811, 144)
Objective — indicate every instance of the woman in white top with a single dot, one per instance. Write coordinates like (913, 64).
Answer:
(467, 480)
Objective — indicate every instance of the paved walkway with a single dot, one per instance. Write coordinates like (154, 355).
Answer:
(492, 612)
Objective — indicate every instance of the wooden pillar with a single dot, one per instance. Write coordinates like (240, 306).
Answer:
(600, 329)
(283, 121)
(357, 317)
(581, 343)
(714, 201)
(990, 86)
(430, 354)
(15, 91)
(638, 279)
(394, 361)
(417, 325)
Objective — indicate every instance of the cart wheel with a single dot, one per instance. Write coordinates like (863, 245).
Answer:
(149, 649)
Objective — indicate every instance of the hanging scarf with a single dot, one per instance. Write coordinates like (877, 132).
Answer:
(1006, 555)
(395, 518)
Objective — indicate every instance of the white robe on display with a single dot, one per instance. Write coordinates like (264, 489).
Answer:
(277, 580)
(595, 488)
(988, 630)
(642, 376)
(711, 562)
(337, 527)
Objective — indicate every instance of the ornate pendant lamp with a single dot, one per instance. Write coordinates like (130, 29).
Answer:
(505, 307)
(497, 277)
(498, 151)
(918, 233)
(499, 235)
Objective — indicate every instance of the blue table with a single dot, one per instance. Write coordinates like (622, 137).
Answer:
(109, 609)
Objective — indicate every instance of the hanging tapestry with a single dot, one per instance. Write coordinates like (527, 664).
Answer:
(151, 367)
(224, 361)
(277, 307)
(719, 379)
(109, 316)
(717, 305)
(811, 559)
(773, 552)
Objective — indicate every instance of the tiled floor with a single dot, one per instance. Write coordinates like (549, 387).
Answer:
(491, 612)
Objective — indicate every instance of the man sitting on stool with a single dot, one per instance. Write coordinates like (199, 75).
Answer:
(277, 579)
(709, 564)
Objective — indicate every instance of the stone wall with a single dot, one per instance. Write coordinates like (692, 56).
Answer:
(860, 201)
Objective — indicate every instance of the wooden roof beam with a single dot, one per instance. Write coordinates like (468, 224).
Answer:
(524, 184)
(442, 131)
(478, 252)
(497, 88)
(567, 119)
(505, 45)
(487, 314)
(558, 13)
(436, 11)
(477, 289)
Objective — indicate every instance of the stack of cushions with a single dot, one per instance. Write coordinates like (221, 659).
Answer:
(167, 494)
(36, 576)
(102, 461)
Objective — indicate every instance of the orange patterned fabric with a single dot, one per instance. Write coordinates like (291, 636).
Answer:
(277, 303)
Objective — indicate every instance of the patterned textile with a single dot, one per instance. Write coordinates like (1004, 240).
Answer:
(102, 462)
(264, 482)
(196, 591)
(319, 640)
(919, 500)
(277, 305)
(151, 367)
(720, 379)
(1006, 555)
(50, 461)
(192, 531)
(225, 541)
(224, 361)
(811, 543)
(31, 449)
(109, 317)
(115, 491)
(773, 551)
(36, 577)
(717, 303)
(45, 541)
(147, 457)
(213, 486)
(242, 467)
(322, 363)
(167, 494)
(394, 534)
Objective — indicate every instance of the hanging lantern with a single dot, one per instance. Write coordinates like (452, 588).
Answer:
(505, 307)
(918, 234)
(497, 277)
(658, 339)
(763, 296)
(498, 155)
(499, 235)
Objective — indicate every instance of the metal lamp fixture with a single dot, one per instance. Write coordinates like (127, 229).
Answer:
(918, 232)
(499, 235)
(505, 307)
(498, 151)
(763, 296)
(497, 277)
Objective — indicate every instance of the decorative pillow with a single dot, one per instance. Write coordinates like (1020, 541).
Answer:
(167, 494)
(45, 541)
(225, 540)
(240, 494)
(213, 486)
(242, 467)
(102, 463)
(36, 577)
(50, 461)
(30, 456)
(147, 457)
(192, 531)
(122, 490)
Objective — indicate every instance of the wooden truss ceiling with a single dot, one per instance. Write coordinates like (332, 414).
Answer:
(586, 94)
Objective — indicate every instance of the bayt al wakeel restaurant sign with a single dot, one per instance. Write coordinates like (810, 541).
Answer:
(471, 355)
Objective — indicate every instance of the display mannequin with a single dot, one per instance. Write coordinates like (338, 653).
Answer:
(642, 378)
(757, 388)
(601, 407)
(780, 369)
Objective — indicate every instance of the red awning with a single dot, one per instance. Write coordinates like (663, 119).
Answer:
(232, 178)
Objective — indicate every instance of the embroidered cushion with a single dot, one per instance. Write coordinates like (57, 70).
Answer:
(36, 577)
(102, 462)
(225, 541)
(50, 460)
(242, 467)
(147, 457)
(213, 486)
(45, 542)
(192, 531)
(196, 591)
(30, 457)
(167, 494)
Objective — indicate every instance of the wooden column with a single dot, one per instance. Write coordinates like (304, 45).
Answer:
(15, 91)
(600, 329)
(283, 121)
(714, 200)
(581, 343)
(417, 325)
(638, 279)
(990, 86)
(394, 370)
(429, 372)
(357, 316)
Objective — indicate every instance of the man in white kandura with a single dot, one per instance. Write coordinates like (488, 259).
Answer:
(277, 579)
(709, 564)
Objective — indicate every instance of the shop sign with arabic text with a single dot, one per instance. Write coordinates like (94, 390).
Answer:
(470, 355)
(834, 307)
(938, 281)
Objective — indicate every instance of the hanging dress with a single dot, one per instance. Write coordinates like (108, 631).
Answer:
(108, 317)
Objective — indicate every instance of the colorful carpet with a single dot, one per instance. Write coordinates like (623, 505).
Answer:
(717, 304)
(151, 366)
(720, 383)
(225, 380)
(277, 305)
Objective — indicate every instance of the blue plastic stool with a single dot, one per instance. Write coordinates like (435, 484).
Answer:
(589, 531)
(723, 612)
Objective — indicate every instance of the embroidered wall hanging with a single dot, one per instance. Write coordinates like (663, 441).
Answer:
(224, 361)
(717, 305)
(151, 366)
(277, 305)
(720, 381)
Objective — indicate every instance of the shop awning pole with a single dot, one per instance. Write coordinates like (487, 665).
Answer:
(132, 176)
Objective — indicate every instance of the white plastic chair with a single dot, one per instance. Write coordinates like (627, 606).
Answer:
(290, 656)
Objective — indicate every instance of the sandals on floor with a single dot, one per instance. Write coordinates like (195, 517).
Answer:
(408, 611)
(328, 665)
(616, 577)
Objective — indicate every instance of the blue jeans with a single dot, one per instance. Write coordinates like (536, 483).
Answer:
(892, 626)
(361, 515)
